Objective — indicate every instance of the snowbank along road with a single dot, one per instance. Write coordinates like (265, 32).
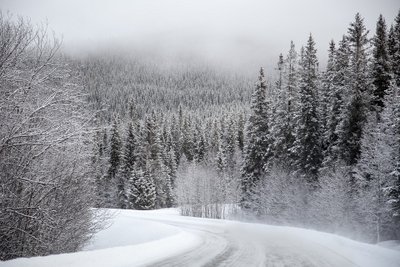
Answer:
(163, 238)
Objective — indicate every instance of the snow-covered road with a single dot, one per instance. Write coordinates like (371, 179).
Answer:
(163, 238)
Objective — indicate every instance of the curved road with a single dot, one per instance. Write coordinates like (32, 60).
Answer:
(163, 238)
(228, 243)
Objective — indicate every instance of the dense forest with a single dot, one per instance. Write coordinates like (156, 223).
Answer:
(307, 147)
(301, 146)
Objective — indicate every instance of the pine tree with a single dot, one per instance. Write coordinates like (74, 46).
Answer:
(231, 143)
(258, 148)
(355, 111)
(308, 136)
(128, 158)
(221, 158)
(328, 97)
(156, 169)
(283, 123)
(291, 77)
(176, 141)
(187, 139)
(394, 49)
(113, 195)
(337, 79)
(199, 144)
(152, 137)
(115, 150)
(391, 43)
(142, 192)
(240, 131)
(381, 65)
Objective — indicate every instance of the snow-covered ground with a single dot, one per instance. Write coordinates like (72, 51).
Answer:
(163, 238)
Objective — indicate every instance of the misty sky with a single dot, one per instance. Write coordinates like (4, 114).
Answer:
(233, 33)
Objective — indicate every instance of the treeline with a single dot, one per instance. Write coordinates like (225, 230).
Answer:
(46, 185)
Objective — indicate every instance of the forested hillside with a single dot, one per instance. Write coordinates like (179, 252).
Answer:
(310, 147)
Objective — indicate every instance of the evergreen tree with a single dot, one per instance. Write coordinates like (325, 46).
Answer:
(114, 186)
(128, 157)
(115, 150)
(176, 138)
(283, 123)
(155, 161)
(240, 131)
(337, 79)
(221, 159)
(291, 77)
(391, 43)
(230, 141)
(142, 189)
(308, 138)
(328, 96)
(381, 64)
(355, 112)
(199, 144)
(187, 139)
(258, 148)
(394, 48)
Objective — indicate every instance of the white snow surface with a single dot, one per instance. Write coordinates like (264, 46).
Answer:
(163, 238)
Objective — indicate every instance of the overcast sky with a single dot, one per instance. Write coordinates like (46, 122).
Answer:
(246, 33)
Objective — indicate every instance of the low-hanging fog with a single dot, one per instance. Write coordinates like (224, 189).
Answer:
(153, 104)
(242, 35)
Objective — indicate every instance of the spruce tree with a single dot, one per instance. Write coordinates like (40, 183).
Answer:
(337, 79)
(291, 77)
(240, 131)
(142, 193)
(221, 158)
(355, 111)
(176, 138)
(115, 186)
(391, 43)
(258, 148)
(129, 156)
(394, 49)
(230, 142)
(155, 162)
(282, 121)
(381, 64)
(115, 150)
(327, 99)
(308, 136)
(199, 144)
(187, 139)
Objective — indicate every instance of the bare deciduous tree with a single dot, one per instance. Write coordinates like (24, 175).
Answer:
(45, 184)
